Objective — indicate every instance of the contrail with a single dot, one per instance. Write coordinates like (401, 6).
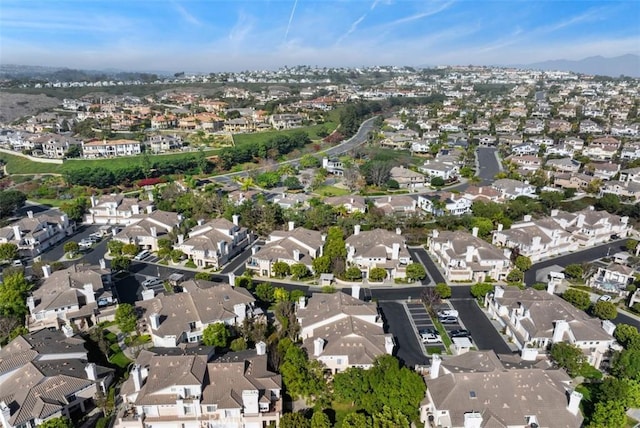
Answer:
(293, 11)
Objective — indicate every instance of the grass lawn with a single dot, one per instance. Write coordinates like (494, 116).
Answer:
(446, 341)
(50, 202)
(342, 410)
(263, 136)
(20, 165)
(120, 360)
(331, 191)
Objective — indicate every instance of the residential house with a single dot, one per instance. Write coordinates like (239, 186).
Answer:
(46, 375)
(239, 197)
(378, 248)
(214, 244)
(351, 203)
(588, 126)
(560, 126)
(193, 388)
(296, 245)
(564, 165)
(613, 278)
(591, 227)
(560, 149)
(602, 149)
(333, 166)
(604, 170)
(525, 149)
(630, 151)
(483, 193)
(286, 121)
(536, 319)
(447, 171)
(481, 389)
(36, 233)
(145, 230)
(175, 318)
(239, 125)
(576, 144)
(526, 163)
(533, 126)
(487, 140)
(628, 191)
(630, 174)
(572, 180)
(396, 204)
(292, 200)
(163, 143)
(55, 146)
(421, 146)
(342, 331)
(511, 189)
(116, 209)
(445, 203)
(510, 139)
(536, 239)
(110, 148)
(625, 129)
(79, 296)
(164, 121)
(407, 179)
(465, 257)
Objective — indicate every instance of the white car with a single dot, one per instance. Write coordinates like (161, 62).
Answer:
(142, 254)
(16, 263)
(85, 243)
(604, 298)
(430, 338)
(447, 313)
(152, 282)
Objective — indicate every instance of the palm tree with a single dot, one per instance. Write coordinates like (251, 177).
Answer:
(246, 183)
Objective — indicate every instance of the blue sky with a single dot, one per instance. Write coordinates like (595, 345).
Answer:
(212, 35)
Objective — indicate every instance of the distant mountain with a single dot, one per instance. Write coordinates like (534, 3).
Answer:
(628, 65)
(63, 74)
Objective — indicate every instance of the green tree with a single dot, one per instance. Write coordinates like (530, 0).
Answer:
(416, 272)
(75, 209)
(294, 420)
(631, 245)
(389, 417)
(320, 420)
(239, 344)
(280, 294)
(568, 356)
(280, 269)
(120, 263)
(13, 294)
(204, 276)
(443, 290)
(377, 274)
(353, 274)
(484, 225)
(523, 263)
(608, 202)
(71, 248)
(627, 364)
(216, 334)
(608, 414)
(515, 276)
(626, 334)
(309, 161)
(579, 299)
(264, 292)
(437, 182)
(624, 391)
(11, 200)
(605, 310)
(551, 200)
(60, 422)
(115, 247)
(130, 249)
(321, 264)
(244, 281)
(574, 271)
(356, 420)
(126, 318)
(481, 289)
(301, 377)
(8, 251)
(299, 271)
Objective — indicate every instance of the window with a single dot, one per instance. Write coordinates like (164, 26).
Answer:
(212, 408)
(188, 410)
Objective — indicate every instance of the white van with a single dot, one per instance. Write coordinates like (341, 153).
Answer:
(142, 254)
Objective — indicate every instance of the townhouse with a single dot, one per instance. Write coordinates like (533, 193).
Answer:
(483, 193)
(46, 375)
(604, 170)
(110, 148)
(194, 388)
(630, 151)
(465, 257)
(588, 126)
(350, 203)
(215, 243)
(590, 227)
(572, 180)
(401, 205)
(36, 233)
(342, 331)
(77, 297)
(378, 249)
(296, 245)
(536, 319)
(116, 209)
(628, 191)
(630, 175)
(612, 278)
(145, 230)
(525, 149)
(479, 389)
(177, 318)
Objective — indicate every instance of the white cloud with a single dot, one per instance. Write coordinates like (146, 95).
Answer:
(184, 13)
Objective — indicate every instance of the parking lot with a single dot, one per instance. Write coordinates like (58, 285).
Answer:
(421, 320)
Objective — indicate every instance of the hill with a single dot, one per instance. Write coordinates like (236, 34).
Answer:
(627, 65)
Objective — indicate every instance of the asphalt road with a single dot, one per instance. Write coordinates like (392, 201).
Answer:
(408, 349)
(484, 334)
(488, 165)
(421, 255)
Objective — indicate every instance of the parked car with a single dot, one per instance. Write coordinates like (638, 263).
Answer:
(16, 263)
(428, 331)
(447, 313)
(604, 298)
(459, 333)
(142, 254)
(449, 320)
(430, 338)
(152, 282)
(85, 243)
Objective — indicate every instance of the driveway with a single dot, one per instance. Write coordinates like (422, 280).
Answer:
(484, 334)
(420, 255)
(421, 320)
(408, 349)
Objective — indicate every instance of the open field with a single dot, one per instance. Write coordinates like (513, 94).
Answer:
(263, 136)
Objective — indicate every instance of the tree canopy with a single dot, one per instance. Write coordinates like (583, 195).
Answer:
(126, 317)
(216, 334)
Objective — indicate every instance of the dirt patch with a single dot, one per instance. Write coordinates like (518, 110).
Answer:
(14, 106)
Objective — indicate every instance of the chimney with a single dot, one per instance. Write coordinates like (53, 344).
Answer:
(94, 201)
(435, 366)
(574, 402)
(475, 231)
(16, 232)
(498, 292)
(30, 214)
(31, 304)
(154, 231)
(389, 199)
(114, 231)
(554, 213)
(435, 233)
(302, 302)
(254, 249)
(398, 231)
(355, 292)
(323, 237)
(261, 348)
(88, 292)
(154, 319)
(473, 420)
(135, 209)
(388, 344)
(561, 327)
(250, 401)
(296, 255)
(240, 310)
(150, 196)
(500, 227)
(200, 222)
(67, 330)
(102, 263)
(222, 247)
(352, 201)
(5, 413)
(551, 286)
(46, 271)
(149, 209)
(469, 254)
(236, 219)
(180, 239)
(148, 294)
(318, 347)
(580, 220)
(292, 225)
(608, 326)
(527, 217)
(507, 253)
(91, 371)
(356, 229)
(232, 279)
(395, 251)
(136, 374)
